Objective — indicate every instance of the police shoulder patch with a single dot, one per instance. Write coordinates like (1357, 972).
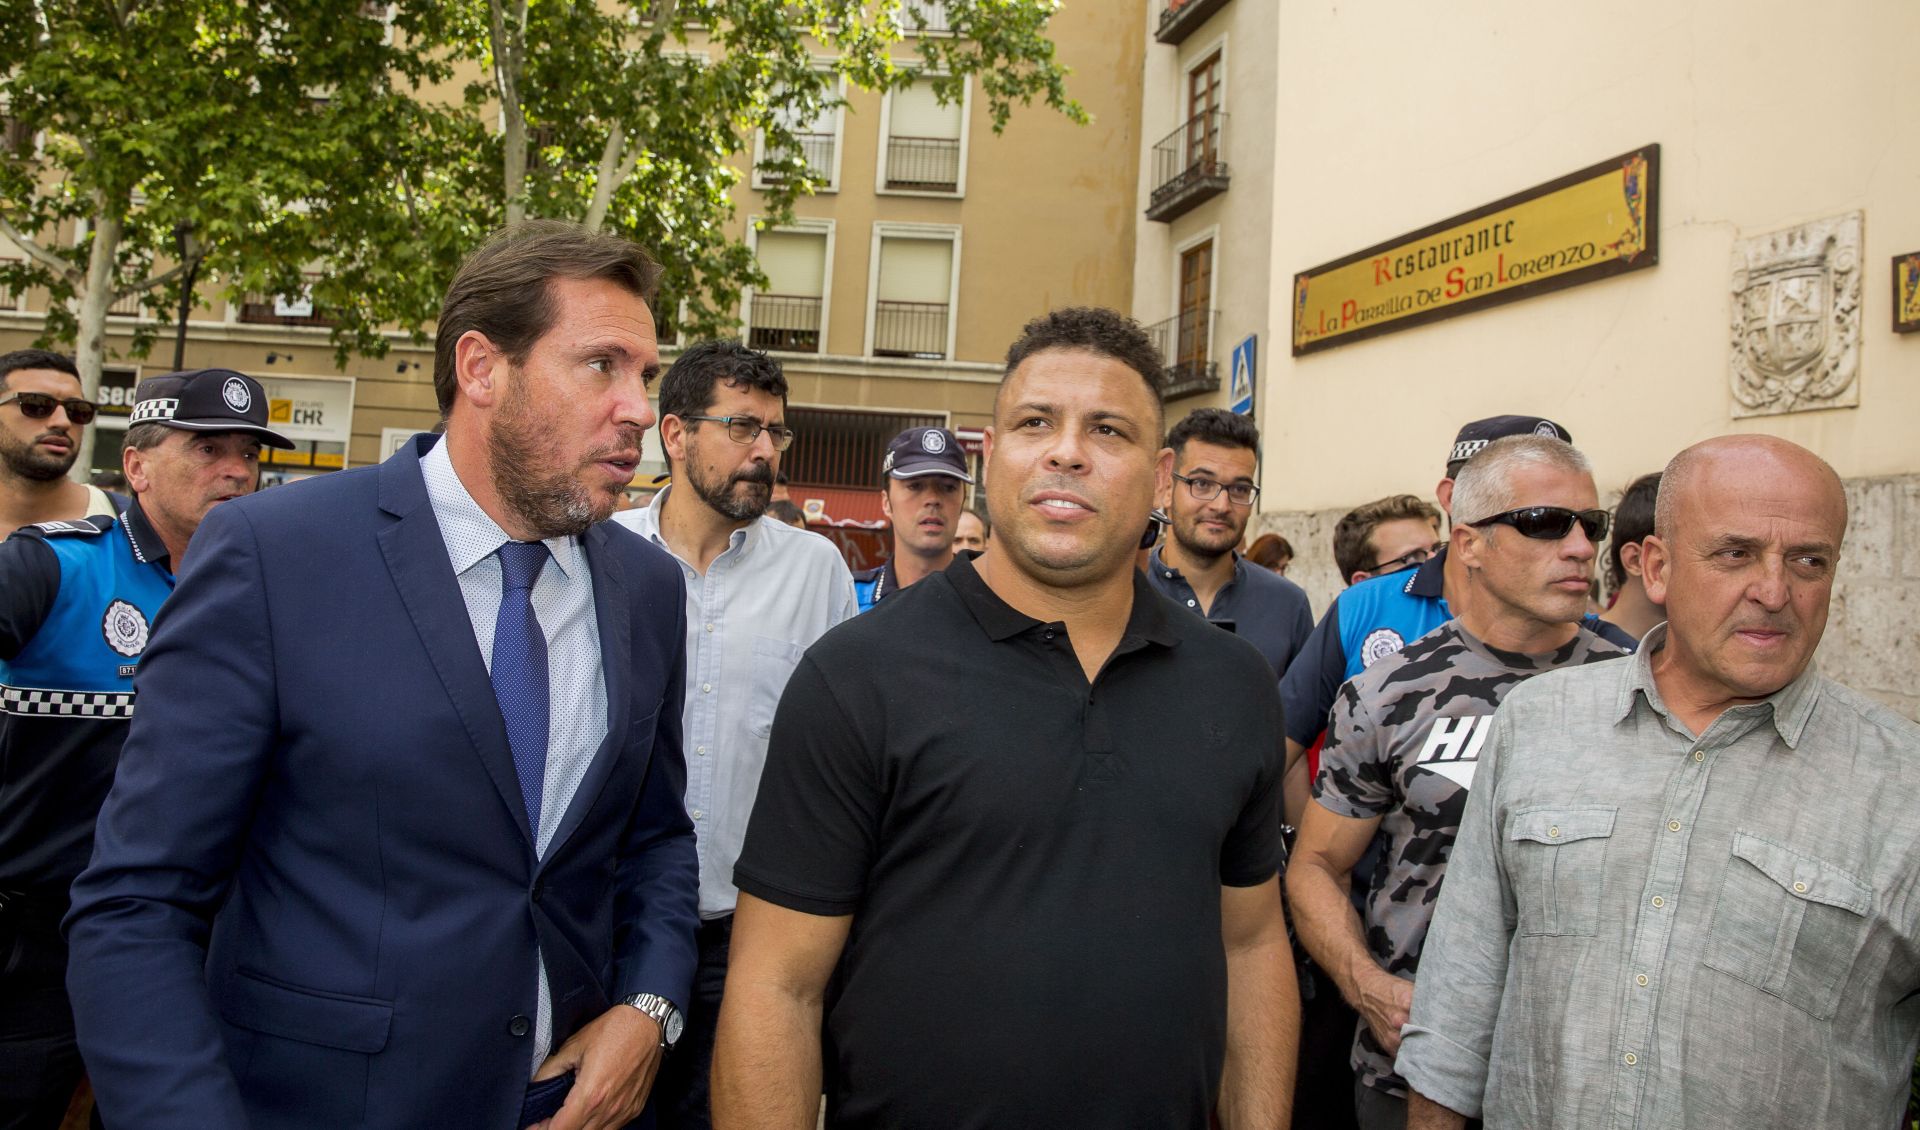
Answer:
(125, 629)
(84, 528)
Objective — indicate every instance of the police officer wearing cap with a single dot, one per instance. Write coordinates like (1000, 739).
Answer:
(921, 495)
(77, 601)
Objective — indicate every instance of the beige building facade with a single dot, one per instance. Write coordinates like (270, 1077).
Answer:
(1769, 116)
(892, 295)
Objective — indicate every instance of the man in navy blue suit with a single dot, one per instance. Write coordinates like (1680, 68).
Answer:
(397, 837)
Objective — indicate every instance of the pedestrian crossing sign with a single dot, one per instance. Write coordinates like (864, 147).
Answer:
(1240, 383)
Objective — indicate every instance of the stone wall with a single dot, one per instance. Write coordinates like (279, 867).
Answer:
(1872, 641)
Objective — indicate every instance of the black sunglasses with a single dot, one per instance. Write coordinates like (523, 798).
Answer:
(1551, 523)
(40, 406)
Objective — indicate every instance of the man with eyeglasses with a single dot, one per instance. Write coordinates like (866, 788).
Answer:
(41, 415)
(77, 601)
(1211, 498)
(924, 479)
(1404, 738)
(1385, 536)
(758, 593)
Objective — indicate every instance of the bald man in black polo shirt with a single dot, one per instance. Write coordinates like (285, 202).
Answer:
(1062, 912)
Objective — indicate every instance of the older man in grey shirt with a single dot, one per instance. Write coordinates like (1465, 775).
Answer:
(1686, 889)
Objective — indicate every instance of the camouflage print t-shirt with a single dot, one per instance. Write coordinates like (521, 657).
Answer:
(1403, 739)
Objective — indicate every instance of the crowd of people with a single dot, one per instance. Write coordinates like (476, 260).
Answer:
(459, 796)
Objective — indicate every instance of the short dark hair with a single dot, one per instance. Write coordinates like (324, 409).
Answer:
(1632, 524)
(687, 389)
(785, 511)
(1269, 550)
(1353, 548)
(986, 523)
(505, 289)
(146, 436)
(1094, 329)
(36, 359)
(1215, 426)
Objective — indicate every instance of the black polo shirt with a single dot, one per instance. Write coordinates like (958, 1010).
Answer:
(1034, 883)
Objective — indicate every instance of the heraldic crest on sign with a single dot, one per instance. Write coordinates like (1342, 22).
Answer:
(1796, 318)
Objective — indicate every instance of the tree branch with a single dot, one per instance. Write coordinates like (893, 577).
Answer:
(55, 263)
(508, 57)
(161, 279)
(613, 172)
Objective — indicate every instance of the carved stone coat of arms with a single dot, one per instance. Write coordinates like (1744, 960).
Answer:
(1796, 318)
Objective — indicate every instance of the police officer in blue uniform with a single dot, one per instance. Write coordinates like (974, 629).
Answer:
(77, 602)
(922, 495)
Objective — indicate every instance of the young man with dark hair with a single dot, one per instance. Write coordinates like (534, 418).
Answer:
(1210, 499)
(398, 837)
(1063, 912)
(1632, 610)
(921, 493)
(1385, 536)
(77, 603)
(974, 530)
(41, 415)
(759, 592)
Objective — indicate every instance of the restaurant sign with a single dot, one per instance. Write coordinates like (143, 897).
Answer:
(1600, 221)
(1906, 293)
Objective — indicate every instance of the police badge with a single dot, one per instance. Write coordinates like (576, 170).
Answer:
(125, 629)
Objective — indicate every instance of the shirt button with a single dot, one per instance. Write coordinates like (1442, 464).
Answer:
(1699, 755)
(1189, 604)
(709, 627)
(1630, 1059)
(1799, 888)
(697, 814)
(1553, 833)
(692, 576)
(701, 750)
(1641, 980)
(1673, 825)
(519, 1026)
(706, 688)
(1658, 901)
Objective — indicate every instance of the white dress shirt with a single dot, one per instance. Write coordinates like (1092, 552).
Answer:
(576, 681)
(763, 601)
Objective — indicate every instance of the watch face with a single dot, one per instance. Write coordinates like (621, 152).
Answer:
(674, 1026)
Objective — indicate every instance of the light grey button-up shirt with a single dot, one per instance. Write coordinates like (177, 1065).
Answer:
(576, 681)
(773, 591)
(1644, 927)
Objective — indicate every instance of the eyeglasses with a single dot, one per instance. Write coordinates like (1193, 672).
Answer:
(1551, 523)
(746, 429)
(40, 406)
(1409, 559)
(1206, 490)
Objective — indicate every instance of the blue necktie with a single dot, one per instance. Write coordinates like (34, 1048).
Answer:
(520, 670)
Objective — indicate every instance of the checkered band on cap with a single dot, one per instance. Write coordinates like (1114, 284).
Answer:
(1466, 449)
(65, 704)
(159, 408)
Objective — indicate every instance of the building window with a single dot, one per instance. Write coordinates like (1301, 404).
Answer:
(915, 272)
(790, 314)
(10, 297)
(284, 309)
(844, 448)
(923, 16)
(1186, 339)
(1189, 165)
(816, 142)
(925, 142)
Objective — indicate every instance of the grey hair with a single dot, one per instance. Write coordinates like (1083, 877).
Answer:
(1484, 487)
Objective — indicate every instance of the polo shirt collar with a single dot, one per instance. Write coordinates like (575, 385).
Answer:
(1430, 579)
(1155, 563)
(148, 549)
(1001, 621)
(1788, 708)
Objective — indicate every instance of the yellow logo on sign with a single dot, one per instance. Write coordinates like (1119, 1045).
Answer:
(280, 411)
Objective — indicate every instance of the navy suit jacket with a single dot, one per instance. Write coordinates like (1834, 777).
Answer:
(314, 900)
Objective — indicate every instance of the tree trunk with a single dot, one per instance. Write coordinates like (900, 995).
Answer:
(90, 338)
(509, 40)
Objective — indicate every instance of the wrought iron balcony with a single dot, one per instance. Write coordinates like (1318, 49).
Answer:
(1180, 18)
(1189, 167)
(923, 164)
(816, 149)
(918, 16)
(910, 329)
(1186, 341)
(784, 322)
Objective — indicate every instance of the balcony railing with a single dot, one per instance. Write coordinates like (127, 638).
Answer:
(910, 329)
(1186, 341)
(816, 149)
(1189, 167)
(282, 310)
(1180, 18)
(931, 13)
(786, 322)
(923, 164)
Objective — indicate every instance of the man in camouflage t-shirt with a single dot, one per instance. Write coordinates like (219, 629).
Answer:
(1404, 736)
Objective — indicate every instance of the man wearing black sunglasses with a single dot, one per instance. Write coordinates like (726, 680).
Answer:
(77, 602)
(1404, 739)
(41, 414)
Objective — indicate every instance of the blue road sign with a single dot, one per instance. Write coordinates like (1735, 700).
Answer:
(1240, 386)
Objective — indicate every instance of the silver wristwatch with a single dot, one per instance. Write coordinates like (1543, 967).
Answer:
(663, 1013)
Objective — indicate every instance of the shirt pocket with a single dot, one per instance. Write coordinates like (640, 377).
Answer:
(1558, 859)
(773, 664)
(1788, 924)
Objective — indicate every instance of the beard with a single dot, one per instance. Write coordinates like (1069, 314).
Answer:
(1202, 545)
(528, 471)
(27, 461)
(744, 506)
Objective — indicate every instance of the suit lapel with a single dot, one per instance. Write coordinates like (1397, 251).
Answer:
(416, 556)
(613, 611)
